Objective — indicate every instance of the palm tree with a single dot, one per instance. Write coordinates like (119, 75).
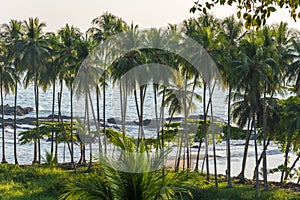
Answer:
(33, 49)
(256, 70)
(12, 33)
(104, 27)
(50, 77)
(232, 34)
(70, 60)
(6, 85)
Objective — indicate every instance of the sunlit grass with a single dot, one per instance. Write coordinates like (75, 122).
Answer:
(32, 182)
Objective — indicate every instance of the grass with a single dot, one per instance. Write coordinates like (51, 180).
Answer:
(33, 182)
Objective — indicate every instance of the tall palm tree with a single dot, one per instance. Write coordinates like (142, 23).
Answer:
(53, 66)
(33, 50)
(70, 62)
(12, 34)
(104, 27)
(231, 32)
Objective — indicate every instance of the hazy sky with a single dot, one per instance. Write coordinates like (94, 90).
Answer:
(145, 13)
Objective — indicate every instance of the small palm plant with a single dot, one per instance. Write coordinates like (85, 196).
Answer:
(49, 160)
(130, 174)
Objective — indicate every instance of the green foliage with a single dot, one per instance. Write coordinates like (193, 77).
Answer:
(45, 130)
(26, 183)
(18, 183)
(255, 12)
(49, 160)
(134, 176)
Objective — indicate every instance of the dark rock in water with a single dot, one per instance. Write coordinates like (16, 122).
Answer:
(146, 122)
(20, 111)
(56, 117)
(112, 121)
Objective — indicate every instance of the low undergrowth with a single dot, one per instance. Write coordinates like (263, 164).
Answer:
(41, 182)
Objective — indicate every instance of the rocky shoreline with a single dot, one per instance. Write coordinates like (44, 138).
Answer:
(111, 122)
(10, 110)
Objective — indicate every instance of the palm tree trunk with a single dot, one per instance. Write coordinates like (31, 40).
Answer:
(162, 116)
(89, 130)
(15, 124)
(98, 112)
(3, 124)
(228, 171)
(205, 132)
(104, 119)
(72, 135)
(261, 157)
(256, 158)
(95, 121)
(293, 165)
(241, 175)
(264, 144)
(286, 157)
(37, 117)
(138, 114)
(155, 86)
(53, 105)
(66, 138)
(213, 136)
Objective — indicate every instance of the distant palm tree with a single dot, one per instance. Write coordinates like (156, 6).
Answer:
(33, 49)
(12, 34)
(53, 66)
(6, 85)
(104, 27)
(227, 57)
(70, 62)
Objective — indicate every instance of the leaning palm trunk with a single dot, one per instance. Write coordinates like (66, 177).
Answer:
(15, 124)
(213, 135)
(292, 167)
(205, 132)
(286, 156)
(66, 137)
(59, 96)
(96, 124)
(261, 156)
(241, 175)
